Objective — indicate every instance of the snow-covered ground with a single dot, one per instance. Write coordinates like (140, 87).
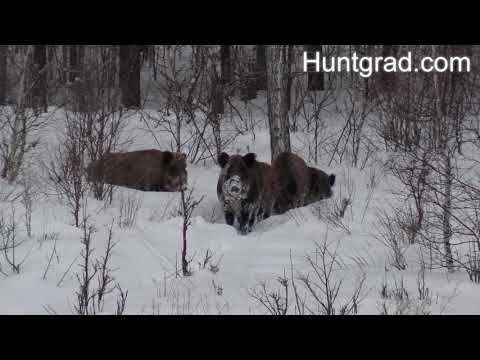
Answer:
(147, 254)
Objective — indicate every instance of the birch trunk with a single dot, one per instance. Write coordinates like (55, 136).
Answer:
(447, 211)
(278, 96)
(441, 144)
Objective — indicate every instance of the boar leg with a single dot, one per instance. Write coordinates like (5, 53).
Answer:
(229, 218)
(253, 217)
(282, 205)
(261, 214)
(243, 222)
(267, 212)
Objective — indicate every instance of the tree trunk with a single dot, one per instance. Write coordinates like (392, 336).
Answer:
(218, 84)
(289, 72)
(388, 80)
(3, 74)
(52, 65)
(316, 80)
(74, 68)
(39, 78)
(154, 62)
(261, 67)
(278, 74)
(447, 211)
(130, 66)
(218, 106)
(438, 113)
(249, 77)
(185, 271)
(77, 78)
(18, 138)
(226, 63)
(64, 72)
(441, 145)
(112, 66)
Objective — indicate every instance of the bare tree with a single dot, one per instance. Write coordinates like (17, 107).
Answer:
(388, 79)
(64, 65)
(74, 63)
(324, 288)
(426, 119)
(9, 242)
(90, 299)
(316, 81)
(274, 301)
(18, 125)
(278, 97)
(226, 63)
(392, 233)
(39, 78)
(188, 205)
(217, 98)
(3, 74)
(195, 94)
(66, 169)
(399, 300)
(321, 287)
(445, 151)
(261, 67)
(129, 208)
(130, 66)
(93, 104)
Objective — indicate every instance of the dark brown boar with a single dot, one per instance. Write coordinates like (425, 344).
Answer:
(295, 184)
(146, 170)
(320, 186)
(243, 190)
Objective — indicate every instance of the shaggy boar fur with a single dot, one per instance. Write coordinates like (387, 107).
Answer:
(296, 184)
(146, 170)
(243, 190)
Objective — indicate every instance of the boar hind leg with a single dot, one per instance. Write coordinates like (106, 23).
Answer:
(282, 204)
(141, 187)
(266, 212)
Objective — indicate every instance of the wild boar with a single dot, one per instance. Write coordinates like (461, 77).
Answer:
(243, 190)
(296, 184)
(146, 170)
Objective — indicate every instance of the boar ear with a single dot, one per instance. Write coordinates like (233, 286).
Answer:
(331, 179)
(249, 159)
(180, 156)
(223, 159)
(167, 157)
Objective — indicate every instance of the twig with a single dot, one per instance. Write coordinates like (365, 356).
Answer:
(65, 273)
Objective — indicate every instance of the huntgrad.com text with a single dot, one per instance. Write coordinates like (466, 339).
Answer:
(367, 65)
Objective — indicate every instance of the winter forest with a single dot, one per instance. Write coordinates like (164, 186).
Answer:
(225, 179)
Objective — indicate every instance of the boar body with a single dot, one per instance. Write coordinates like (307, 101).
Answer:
(295, 184)
(243, 190)
(146, 170)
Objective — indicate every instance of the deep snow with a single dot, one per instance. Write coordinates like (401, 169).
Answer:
(146, 254)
